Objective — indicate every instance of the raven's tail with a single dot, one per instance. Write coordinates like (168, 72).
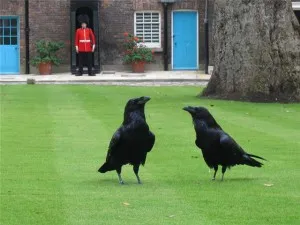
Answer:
(105, 167)
(252, 162)
(255, 156)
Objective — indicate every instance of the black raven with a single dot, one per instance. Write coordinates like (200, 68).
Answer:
(204, 114)
(131, 142)
(218, 148)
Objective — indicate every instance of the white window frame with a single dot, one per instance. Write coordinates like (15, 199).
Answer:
(150, 45)
(296, 5)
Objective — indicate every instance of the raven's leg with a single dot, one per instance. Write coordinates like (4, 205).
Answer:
(223, 171)
(136, 171)
(119, 175)
(216, 170)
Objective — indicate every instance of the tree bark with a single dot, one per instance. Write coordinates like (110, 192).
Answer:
(256, 46)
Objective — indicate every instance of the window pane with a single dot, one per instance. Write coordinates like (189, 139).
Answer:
(139, 17)
(139, 26)
(140, 34)
(6, 22)
(14, 32)
(6, 40)
(155, 26)
(1, 31)
(155, 18)
(6, 31)
(1, 40)
(147, 17)
(13, 22)
(14, 41)
(1, 22)
(147, 27)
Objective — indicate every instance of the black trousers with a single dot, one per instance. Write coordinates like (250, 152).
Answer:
(85, 58)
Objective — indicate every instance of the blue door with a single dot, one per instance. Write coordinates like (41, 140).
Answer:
(9, 45)
(185, 43)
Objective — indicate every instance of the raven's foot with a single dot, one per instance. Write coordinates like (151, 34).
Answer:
(213, 179)
(222, 178)
(223, 172)
(121, 182)
(215, 173)
(120, 179)
(136, 172)
(138, 179)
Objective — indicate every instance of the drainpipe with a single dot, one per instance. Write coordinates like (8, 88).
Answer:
(206, 38)
(166, 58)
(27, 57)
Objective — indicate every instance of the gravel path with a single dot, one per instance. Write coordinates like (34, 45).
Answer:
(108, 83)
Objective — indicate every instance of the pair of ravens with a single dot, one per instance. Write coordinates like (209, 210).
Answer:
(133, 140)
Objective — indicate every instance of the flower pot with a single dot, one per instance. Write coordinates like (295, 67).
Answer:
(138, 67)
(45, 68)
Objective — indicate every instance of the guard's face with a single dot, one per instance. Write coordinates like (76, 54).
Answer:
(83, 25)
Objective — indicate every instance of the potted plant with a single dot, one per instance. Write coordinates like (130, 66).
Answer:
(46, 56)
(136, 53)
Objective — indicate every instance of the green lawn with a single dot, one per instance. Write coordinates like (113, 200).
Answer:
(54, 138)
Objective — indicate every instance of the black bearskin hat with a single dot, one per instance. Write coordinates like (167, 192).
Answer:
(83, 18)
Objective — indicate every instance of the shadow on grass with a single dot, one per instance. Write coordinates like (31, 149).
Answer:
(109, 182)
(237, 179)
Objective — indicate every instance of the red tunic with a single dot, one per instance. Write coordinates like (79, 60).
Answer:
(84, 39)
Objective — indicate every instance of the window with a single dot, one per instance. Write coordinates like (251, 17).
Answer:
(8, 31)
(296, 7)
(147, 28)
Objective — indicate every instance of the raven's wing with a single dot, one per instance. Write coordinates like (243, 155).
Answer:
(114, 143)
(231, 152)
(229, 143)
(112, 152)
(150, 142)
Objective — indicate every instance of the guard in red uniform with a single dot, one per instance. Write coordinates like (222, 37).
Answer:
(85, 45)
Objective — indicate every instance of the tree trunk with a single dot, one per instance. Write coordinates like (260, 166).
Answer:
(256, 46)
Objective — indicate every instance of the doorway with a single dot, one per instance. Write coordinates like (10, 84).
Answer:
(185, 40)
(9, 45)
(89, 8)
(84, 11)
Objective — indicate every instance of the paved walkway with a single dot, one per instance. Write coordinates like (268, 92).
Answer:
(155, 78)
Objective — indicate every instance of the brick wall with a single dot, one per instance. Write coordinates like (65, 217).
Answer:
(51, 20)
(16, 8)
(117, 17)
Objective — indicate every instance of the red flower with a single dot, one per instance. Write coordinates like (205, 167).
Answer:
(126, 34)
(136, 38)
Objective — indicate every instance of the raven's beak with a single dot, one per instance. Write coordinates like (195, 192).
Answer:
(189, 109)
(144, 99)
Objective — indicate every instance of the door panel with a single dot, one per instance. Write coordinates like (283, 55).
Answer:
(185, 43)
(9, 45)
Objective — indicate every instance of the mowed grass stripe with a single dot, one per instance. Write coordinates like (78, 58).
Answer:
(104, 194)
(276, 125)
(76, 135)
(169, 117)
(30, 186)
(177, 188)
